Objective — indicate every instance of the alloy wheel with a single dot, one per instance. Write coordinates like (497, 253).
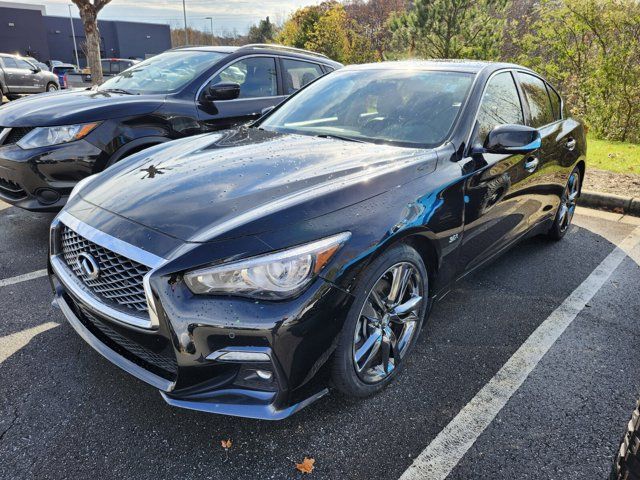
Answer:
(569, 202)
(388, 322)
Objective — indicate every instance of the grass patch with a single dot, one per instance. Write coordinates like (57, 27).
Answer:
(616, 157)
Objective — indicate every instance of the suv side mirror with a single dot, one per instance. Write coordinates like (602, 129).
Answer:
(36, 69)
(512, 139)
(222, 91)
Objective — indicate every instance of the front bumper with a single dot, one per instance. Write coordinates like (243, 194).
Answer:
(181, 355)
(41, 179)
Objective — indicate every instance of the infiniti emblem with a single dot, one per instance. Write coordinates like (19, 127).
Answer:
(88, 266)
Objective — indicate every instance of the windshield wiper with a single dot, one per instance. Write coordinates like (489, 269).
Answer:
(118, 90)
(340, 137)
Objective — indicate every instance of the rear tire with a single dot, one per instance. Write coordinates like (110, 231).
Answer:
(373, 344)
(567, 207)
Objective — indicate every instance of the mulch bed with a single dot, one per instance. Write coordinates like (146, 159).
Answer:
(625, 184)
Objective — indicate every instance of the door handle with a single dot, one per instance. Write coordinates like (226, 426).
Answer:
(571, 143)
(531, 163)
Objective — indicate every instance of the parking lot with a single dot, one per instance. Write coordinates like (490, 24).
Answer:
(496, 388)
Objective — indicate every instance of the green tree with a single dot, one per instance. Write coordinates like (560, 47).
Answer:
(450, 28)
(263, 32)
(591, 49)
(327, 29)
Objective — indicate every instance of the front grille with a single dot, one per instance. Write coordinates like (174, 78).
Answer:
(120, 280)
(16, 134)
(12, 189)
(162, 361)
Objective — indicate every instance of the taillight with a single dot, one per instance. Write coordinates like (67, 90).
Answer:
(64, 81)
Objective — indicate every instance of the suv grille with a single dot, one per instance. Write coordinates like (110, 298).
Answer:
(11, 189)
(120, 279)
(15, 135)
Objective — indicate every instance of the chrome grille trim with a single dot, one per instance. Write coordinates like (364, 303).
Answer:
(89, 298)
(119, 280)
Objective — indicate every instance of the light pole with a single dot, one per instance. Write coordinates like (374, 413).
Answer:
(73, 34)
(211, 20)
(184, 12)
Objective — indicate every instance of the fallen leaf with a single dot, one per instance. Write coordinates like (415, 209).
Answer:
(226, 444)
(306, 466)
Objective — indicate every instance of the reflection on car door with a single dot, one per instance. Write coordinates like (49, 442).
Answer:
(259, 89)
(558, 150)
(498, 205)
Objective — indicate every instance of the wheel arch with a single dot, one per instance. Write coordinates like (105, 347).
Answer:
(134, 147)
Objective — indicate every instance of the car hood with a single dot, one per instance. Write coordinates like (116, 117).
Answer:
(245, 181)
(75, 106)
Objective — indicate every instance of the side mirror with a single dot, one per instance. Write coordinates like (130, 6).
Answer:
(512, 139)
(36, 69)
(222, 91)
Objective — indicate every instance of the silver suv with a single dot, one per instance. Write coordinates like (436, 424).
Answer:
(19, 76)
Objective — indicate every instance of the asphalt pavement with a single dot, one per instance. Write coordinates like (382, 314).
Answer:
(65, 412)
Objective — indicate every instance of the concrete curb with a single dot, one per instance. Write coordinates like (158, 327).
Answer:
(610, 201)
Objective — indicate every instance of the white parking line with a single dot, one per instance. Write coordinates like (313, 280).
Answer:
(444, 452)
(23, 278)
(14, 342)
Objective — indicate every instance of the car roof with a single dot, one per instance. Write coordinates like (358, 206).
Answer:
(457, 65)
(264, 48)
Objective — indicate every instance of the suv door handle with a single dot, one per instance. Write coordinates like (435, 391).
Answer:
(531, 163)
(571, 143)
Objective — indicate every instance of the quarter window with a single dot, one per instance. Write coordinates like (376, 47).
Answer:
(256, 77)
(297, 74)
(500, 105)
(556, 103)
(538, 99)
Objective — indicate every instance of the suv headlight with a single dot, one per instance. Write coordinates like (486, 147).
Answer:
(275, 275)
(46, 136)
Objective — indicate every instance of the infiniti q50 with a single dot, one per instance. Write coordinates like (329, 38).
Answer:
(244, 272)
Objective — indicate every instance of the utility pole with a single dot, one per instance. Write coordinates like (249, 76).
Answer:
(184, 12)
(73, 34)
(212, 37)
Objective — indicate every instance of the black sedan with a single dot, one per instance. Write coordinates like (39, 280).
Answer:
(244, 271)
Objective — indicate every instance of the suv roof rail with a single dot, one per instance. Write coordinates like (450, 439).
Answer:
(281, 47)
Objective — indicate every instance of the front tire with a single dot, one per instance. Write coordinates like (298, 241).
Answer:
(52, 87)
(383, 323)
(567, 207)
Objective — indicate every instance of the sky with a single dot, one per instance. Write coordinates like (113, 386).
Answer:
(228, 15)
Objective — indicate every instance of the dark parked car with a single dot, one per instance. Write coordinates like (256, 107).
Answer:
(235, 271)
(18, 76)
(48, 144)
(626, 465)
(61, 70)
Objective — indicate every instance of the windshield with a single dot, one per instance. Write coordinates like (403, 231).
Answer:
(413, 108)
(164, 73)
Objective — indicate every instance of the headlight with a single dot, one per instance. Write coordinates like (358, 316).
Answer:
(79, 185)
(276, 275)
(45, 136)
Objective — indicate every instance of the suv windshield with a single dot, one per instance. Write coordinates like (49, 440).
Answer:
(413, 108)
(164, 73)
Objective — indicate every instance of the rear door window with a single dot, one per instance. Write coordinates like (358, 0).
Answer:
(298, 73)
(106, 67)
(538, 99)
(9, 62)
(556, 103)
